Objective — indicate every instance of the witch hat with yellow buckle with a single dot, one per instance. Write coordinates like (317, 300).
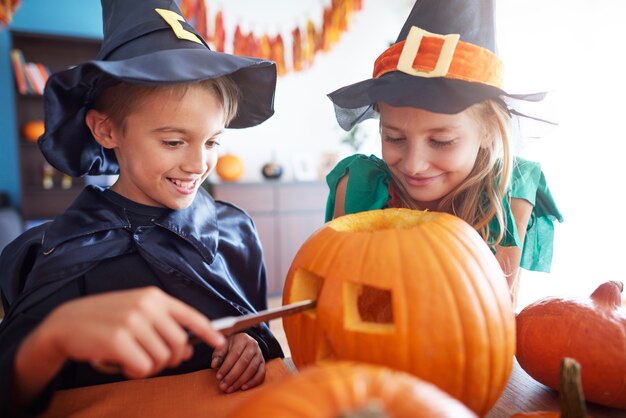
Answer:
(444, 61)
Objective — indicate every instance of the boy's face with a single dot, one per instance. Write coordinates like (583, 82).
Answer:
(168, 147)
(429, 153)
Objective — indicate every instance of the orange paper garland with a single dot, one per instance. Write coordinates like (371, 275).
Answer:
(305, 43)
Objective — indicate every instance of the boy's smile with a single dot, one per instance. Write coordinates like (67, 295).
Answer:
(168, 146)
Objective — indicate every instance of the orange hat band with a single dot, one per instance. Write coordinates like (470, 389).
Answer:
(425, 54)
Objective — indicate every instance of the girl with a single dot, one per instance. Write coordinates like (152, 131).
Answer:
(445, 135)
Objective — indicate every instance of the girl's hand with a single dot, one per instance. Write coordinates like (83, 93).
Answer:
(241, 364)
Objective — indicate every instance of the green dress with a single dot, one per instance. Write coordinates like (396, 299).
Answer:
(368, 189)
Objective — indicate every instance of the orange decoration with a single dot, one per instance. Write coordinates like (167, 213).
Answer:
(229, 167)
(411, 290)
(304, 44)
(195, 13)
(278, 54)
(590, 330)
(346, 389)
(297, 49)
(32, 130)
(219, 33)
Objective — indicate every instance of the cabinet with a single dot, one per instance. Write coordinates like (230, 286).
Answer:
(57, 53)
(285, 214)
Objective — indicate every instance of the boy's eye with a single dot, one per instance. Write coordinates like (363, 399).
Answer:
(172, 143)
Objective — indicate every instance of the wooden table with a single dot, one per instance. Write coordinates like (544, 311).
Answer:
(196, 395)
(525, 394)
(191, 395)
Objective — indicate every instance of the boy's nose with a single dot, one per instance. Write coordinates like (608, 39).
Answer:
(196, 161)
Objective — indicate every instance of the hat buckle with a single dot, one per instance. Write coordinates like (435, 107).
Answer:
(411, 49)
(173, 19)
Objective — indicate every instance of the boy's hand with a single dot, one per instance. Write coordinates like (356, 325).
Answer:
(141, 330)
(241, 363)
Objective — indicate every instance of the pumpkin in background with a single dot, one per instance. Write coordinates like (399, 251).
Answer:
(342, 389)
(591, 330)
(415, 291)
(571, 394)
(229, 167)
(32, 130)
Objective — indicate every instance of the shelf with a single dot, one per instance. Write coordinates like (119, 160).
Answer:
(57, 53)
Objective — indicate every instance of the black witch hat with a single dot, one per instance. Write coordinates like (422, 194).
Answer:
(145, 42)
(444, 61)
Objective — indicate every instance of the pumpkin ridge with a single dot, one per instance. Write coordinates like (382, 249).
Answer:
(407, 354)
(466, 385)
(504, 311)
(498, 370)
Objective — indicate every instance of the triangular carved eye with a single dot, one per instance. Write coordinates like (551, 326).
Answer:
(306, 285)
(368, 308)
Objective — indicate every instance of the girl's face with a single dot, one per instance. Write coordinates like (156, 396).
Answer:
(168, 147)
(429, 153)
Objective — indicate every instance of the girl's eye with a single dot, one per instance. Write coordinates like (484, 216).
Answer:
(212, 144)
(440, 143)
(393, 139)
(172, 143)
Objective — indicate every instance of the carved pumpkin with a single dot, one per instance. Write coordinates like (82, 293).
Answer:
(571, 394)
(343, 389)
(229, 167)
(32, 130)
(590, 330)
(416, 291)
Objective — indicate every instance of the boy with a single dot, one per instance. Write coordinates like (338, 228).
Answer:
(125, 273)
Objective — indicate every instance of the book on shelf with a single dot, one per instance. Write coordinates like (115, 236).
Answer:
(30, 77)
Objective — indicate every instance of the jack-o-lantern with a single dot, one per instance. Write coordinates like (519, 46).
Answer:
(346, 389)
(416, 291)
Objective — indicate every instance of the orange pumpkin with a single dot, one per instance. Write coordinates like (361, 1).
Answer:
(571, 396)
(415, 291)
(229, 167)
(590, 330)
(32, 130)
(336, 389)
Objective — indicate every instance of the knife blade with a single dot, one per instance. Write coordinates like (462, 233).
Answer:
(232, 324)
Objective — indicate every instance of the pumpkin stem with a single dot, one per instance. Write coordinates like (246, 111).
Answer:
(608, 294)
(372, 409)
(572, 398)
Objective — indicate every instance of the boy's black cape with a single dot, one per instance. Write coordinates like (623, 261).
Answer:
(207, 255)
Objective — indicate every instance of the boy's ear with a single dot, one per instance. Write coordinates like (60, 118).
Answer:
(101, 128)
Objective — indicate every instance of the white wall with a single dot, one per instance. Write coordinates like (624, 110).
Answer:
(578, 45)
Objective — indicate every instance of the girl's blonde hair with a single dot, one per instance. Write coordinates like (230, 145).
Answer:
(479, 197)
(119, 100)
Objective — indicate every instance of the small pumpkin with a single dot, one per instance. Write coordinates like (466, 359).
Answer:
(412, 290)
(229, 167)
(571, 394)
(346, 389)
(590, 330)
(32, 130)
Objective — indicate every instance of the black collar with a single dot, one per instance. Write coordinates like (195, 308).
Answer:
(92, 212)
